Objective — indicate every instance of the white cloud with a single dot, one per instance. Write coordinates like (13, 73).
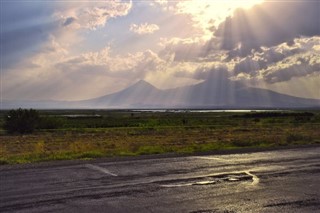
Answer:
(145, 28)
(295, 66)
(161, 2)
(282, 62)
(166, 5)
(88, 15)
(129, 64)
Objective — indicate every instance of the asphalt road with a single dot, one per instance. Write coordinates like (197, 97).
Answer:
(271, 181)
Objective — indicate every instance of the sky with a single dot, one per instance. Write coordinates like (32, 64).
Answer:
(76, 50)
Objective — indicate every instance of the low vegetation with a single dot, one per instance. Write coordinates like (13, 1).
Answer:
(86, 134)
(21, 121)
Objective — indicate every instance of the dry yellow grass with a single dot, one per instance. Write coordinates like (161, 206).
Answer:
(89, 143)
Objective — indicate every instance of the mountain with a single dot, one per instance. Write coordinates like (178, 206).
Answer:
(207, 94)
(141, 94)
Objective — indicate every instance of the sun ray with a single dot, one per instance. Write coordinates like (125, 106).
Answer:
(210, 13)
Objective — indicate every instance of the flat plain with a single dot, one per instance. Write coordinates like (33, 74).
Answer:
(87, 134)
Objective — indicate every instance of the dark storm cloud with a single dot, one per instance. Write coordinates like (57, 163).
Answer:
(24, 28)
(269, 24)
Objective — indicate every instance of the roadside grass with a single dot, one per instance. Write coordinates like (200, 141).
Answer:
(165, 133)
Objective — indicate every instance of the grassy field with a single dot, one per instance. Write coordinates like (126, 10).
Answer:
(86, 134)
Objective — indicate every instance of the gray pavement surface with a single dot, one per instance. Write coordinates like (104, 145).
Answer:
(286, 180)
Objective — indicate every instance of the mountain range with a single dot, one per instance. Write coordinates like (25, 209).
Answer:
(204, 95)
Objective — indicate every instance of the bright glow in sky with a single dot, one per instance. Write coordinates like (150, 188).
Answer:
(208, 13)
(83, 49)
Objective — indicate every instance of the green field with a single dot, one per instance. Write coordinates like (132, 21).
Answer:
(86, 134)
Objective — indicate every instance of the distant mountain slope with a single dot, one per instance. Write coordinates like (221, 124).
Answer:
(207, 94)
(140, 94)
(203, 95)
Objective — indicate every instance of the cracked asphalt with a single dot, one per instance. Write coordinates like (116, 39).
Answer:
(286, 180)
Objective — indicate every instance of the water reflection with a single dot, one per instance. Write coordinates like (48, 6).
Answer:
(204, 110)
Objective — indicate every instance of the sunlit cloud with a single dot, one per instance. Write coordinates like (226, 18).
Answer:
(212, 12)
(91, 16)
(161, 1)
(282, 62)
(295, 66)
(145, 28)
(268, 24)
(206, 14)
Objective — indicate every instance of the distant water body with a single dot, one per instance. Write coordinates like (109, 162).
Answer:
(204, 110)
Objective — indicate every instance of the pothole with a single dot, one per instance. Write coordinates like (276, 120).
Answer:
(210, 179)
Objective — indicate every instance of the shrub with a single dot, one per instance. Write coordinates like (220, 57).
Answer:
(21, 121)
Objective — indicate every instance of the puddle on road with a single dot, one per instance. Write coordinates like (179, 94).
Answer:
(212, 211)
(208, 182)
(255, 179)
(212, 179)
